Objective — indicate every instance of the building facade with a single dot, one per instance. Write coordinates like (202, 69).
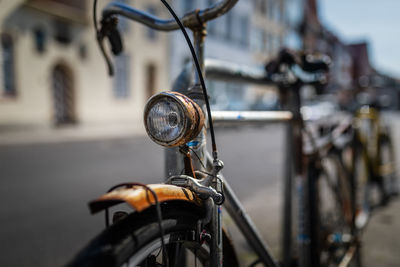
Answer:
(53, 73)
(251, 33)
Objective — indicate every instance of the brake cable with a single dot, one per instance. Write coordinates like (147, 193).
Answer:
(201, 78)
(99, 38)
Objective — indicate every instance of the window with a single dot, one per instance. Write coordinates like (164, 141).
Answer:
(211, 23)
(228, 25)
(220, 27)
(274, 43)
(274, 10)
(277, 43)
(188, 5)
(151, 74)
(82, 51)
(260, 6)
(236, 96)
(121, 79)
(62, 32)
(266, 42)
(263, 7)
(240, 29)
(244, 30)
(278, 12)
(257, 39)
(39, 40)
(8, 65)
(271, 9)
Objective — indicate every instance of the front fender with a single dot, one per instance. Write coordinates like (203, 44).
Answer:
(140, 199)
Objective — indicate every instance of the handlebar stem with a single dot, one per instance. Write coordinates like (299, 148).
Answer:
(199, 35)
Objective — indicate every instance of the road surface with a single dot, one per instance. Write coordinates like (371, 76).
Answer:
(44, 190)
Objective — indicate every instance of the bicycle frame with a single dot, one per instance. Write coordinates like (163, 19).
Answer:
(367, 141)
(370, 144)
(228, 71)
(290, 99)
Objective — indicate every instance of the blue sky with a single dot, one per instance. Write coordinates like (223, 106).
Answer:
(375, 21)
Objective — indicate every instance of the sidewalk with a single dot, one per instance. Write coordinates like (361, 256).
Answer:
(380, 241)
(382, 237)
(68, 133)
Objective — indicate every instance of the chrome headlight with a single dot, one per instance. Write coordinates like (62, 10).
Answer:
(172, 119)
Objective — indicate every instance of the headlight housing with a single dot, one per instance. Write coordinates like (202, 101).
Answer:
(172, 119)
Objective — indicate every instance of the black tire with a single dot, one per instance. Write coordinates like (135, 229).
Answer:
(136, 240)
(333, 217)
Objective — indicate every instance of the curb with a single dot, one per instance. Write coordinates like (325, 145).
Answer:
(64, 134)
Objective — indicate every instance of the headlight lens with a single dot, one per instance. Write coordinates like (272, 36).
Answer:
(164, 120)
(172, 119)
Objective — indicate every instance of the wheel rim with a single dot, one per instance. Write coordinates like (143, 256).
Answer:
(362, 190)
(335, 214)
(192, 249)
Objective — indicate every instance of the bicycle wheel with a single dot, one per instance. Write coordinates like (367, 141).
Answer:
(362, 187)
(334, 243)
(135, 241)
(386, 172)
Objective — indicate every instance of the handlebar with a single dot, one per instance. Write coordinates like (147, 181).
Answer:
(228, 71)
(191, 20)
(194, 19)
(233, 72)
(306, 68)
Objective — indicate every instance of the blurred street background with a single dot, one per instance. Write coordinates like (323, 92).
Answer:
(68, 131)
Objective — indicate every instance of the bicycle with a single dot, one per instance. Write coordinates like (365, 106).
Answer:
(374, 162)
(178, 223)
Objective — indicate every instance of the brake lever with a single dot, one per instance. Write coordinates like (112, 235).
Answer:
(204, 192)
(114, 37)
(109, 29)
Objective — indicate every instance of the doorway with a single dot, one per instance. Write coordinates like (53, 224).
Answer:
(63, 95)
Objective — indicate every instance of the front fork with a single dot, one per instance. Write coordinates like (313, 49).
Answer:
(216, 240)
(174, 162)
